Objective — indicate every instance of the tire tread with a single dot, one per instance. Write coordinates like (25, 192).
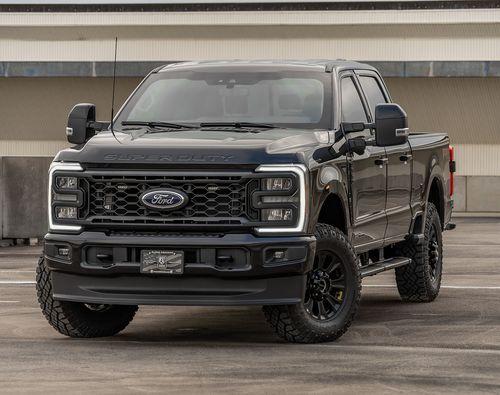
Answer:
(66, 317)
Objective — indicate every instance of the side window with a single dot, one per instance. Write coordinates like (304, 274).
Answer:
(352, 106)
(373, 92)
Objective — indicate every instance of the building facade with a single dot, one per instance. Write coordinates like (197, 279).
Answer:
(441, 61)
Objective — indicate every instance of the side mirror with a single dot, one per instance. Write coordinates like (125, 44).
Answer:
(81, 121)
(391, 125)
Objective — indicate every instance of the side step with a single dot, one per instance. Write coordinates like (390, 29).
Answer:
(384, 265)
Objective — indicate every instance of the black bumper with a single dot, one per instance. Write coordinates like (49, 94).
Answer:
(231, 269)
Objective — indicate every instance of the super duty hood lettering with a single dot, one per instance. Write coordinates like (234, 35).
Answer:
(168, 158)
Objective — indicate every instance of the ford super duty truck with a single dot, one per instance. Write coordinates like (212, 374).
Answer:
(273, 183)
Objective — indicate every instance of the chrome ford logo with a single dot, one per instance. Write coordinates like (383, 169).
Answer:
(164, 199)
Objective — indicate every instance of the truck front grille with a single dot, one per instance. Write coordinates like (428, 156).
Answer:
(213, 199)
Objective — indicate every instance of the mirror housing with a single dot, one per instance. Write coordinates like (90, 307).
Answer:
(391, 125)
(80, 127)
(357, 145)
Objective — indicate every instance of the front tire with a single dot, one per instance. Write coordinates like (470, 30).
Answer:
(420, 280)
(332, 295)
(79, 319)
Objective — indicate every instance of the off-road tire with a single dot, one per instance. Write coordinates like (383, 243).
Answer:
(418, 281)
(293, 323)
(76, 319)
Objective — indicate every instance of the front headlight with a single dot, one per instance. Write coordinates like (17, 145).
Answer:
(63, 198)
(282, 199)
(277, 184)
(66, 182)
(277, 214)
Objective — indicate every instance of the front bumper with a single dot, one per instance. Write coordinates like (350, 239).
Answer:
(230, 269)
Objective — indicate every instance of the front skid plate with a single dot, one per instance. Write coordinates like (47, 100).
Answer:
(170, 290)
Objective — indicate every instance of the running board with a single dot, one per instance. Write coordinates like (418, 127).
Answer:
(382, 266)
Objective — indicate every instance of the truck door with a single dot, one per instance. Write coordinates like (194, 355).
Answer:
(399, 165)
(367, 173)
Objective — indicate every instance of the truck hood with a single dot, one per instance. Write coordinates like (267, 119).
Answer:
(199, 146)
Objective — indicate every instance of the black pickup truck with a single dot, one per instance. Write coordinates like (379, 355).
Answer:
(273, 183)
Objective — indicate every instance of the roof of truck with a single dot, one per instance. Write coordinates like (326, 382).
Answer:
(308, 64)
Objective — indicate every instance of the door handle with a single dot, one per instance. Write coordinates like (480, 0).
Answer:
(405, 158)
(381, 162)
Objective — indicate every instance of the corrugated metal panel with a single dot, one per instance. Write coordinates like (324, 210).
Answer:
(465, 108)
(477, 159)
(396, 43)
(31, 147)
(405, 17)
(37, 108)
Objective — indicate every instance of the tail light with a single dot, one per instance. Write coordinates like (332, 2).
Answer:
(452, 169)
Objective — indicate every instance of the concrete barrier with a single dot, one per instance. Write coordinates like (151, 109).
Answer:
(23, 196)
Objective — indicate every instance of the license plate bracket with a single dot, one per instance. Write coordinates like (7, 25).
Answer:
(162, 262)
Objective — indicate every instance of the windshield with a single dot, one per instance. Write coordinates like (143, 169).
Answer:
(295, 99)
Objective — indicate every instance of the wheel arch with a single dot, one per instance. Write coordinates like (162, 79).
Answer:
(333, 211)
(435, 195)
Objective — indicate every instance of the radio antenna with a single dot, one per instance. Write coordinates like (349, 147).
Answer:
(113, 92)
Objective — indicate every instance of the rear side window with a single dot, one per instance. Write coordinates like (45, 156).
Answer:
(373, 92)
(352, 106)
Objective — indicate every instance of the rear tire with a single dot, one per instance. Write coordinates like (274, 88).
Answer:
(79, 319)
(420, 280)
(332, 295)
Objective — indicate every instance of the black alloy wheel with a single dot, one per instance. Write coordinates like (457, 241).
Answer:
(326, 284)
(332, 294)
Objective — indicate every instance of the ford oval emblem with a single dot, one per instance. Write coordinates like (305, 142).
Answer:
(164, 199)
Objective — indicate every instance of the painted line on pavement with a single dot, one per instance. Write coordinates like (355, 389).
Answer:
(442, 286)
(21, 282)
(16, 271)
(9, 301)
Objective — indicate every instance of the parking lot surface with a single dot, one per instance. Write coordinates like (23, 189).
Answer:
(450, 345)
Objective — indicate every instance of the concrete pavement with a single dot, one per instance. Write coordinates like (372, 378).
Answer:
(450, 345)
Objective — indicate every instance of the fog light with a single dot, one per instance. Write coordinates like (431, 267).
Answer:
(277, 214)
(66, 182)
(66, 212)
(279, 254)
(278, 184)
(63, 251)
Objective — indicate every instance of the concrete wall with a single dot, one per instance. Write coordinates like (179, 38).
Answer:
(23, 196)
(476, 194)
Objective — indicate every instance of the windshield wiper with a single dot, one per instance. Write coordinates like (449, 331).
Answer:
(154, 124)
(238, 125)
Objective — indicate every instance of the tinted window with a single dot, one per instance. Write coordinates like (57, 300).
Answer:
(295, 99)
(373, 92)
(352, 107)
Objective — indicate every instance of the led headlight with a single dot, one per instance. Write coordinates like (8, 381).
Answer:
(55, 210)
(66, 212)
(66, 182)
(277, 214)
(287, 191)
(278, 184)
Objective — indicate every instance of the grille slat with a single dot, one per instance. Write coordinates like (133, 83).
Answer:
(212, 199)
